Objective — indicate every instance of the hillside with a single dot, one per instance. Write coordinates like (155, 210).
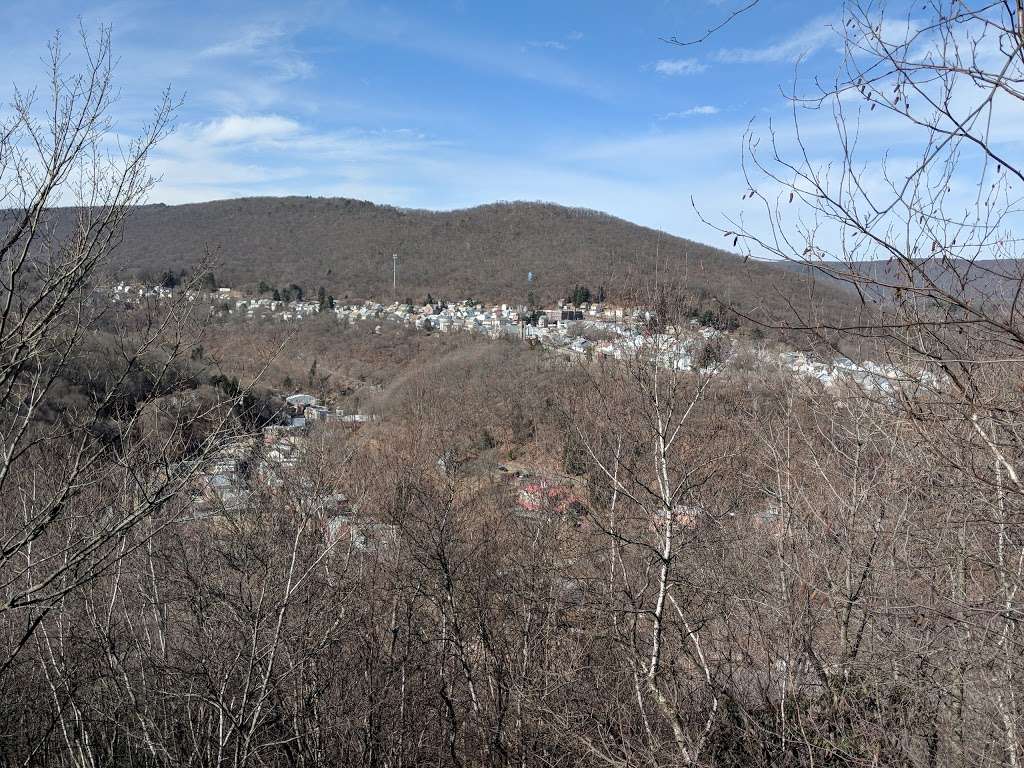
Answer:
(993, 281)
(346, 246)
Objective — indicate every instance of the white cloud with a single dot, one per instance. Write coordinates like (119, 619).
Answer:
(703, 109)
(806, 40)
(674, 67)
(274, 155)
(237, 128)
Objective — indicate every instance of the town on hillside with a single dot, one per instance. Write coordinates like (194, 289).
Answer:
(588, 329)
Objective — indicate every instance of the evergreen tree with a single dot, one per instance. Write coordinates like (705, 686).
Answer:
(709, 355)
(522, 425)
(580, 294)
(486, 440)
(574, 455)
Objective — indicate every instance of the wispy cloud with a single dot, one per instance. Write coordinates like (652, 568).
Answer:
(555, 45)
(267, 45)
(421, 35)
(676, 67)
(805, 41)
(703, 109)
(250, 40)
(561, 44)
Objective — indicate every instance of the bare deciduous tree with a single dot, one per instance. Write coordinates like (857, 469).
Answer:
(929, 241)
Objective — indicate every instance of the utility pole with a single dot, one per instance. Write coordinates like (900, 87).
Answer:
(394, 277)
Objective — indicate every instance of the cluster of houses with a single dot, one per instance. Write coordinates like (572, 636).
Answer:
(260, 308)
(232, 480)
(131, 293)
(495, 319)
(540, 497)
(868, 376)
(303, 410)
(567, 329)
(559, 328)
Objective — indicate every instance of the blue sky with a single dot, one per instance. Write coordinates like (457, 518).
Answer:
(450, 104)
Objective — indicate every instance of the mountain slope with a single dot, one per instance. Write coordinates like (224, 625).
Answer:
(992, 281)
(346, 247)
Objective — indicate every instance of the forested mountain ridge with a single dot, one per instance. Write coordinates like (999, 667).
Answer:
(346, 246)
